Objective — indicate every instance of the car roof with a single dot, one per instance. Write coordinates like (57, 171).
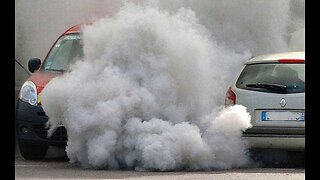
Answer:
(74, 29)
(277, 56)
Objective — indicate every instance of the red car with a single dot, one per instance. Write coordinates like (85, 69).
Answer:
(30, 117)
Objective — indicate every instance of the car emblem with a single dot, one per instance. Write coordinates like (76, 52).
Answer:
(283, 102)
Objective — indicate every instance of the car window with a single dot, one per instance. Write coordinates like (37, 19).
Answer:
(273, 78)
(67, 49)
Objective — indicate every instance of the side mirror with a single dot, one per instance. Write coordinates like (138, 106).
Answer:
(34, 64)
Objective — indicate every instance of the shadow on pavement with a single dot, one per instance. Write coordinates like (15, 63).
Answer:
(53, 154)
(278, 158)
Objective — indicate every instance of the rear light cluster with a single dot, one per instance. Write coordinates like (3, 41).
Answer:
(230, 98)
(291, 61)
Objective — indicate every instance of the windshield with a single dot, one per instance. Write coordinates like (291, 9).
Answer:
(66, 51)
(273, 78)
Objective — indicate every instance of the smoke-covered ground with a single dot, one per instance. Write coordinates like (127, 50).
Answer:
(149, 92)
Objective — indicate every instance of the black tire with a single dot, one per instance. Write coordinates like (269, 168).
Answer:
(33, 152)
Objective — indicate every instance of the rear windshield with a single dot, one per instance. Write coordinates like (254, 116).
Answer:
(66, 51)
(273, 78)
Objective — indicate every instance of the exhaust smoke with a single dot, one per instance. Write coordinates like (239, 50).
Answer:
(149, 92)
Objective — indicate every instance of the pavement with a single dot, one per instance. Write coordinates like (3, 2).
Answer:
(56, 166)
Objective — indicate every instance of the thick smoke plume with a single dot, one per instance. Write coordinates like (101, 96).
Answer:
(143, 95)
(149, 92)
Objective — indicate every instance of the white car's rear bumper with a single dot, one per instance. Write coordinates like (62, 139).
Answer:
(276, 142)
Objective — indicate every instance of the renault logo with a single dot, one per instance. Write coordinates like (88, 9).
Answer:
(283, 102)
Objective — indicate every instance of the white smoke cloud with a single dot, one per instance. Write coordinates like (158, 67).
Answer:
(297, 40)
(142, 96)
(260, 26)
(237, 24)
(149, 93)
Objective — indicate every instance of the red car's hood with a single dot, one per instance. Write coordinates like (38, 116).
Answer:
(41, 78)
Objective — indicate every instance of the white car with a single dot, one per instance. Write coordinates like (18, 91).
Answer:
(272, 87)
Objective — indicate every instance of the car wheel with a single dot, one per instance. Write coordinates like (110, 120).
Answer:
(33, 152)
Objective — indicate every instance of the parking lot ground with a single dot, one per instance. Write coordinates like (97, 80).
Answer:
(56, 166)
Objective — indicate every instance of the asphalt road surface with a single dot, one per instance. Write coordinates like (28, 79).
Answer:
(56, 166)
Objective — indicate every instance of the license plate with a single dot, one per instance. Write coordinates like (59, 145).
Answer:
(282, 116)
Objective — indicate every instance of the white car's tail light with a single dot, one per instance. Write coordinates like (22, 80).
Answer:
(230, 99)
